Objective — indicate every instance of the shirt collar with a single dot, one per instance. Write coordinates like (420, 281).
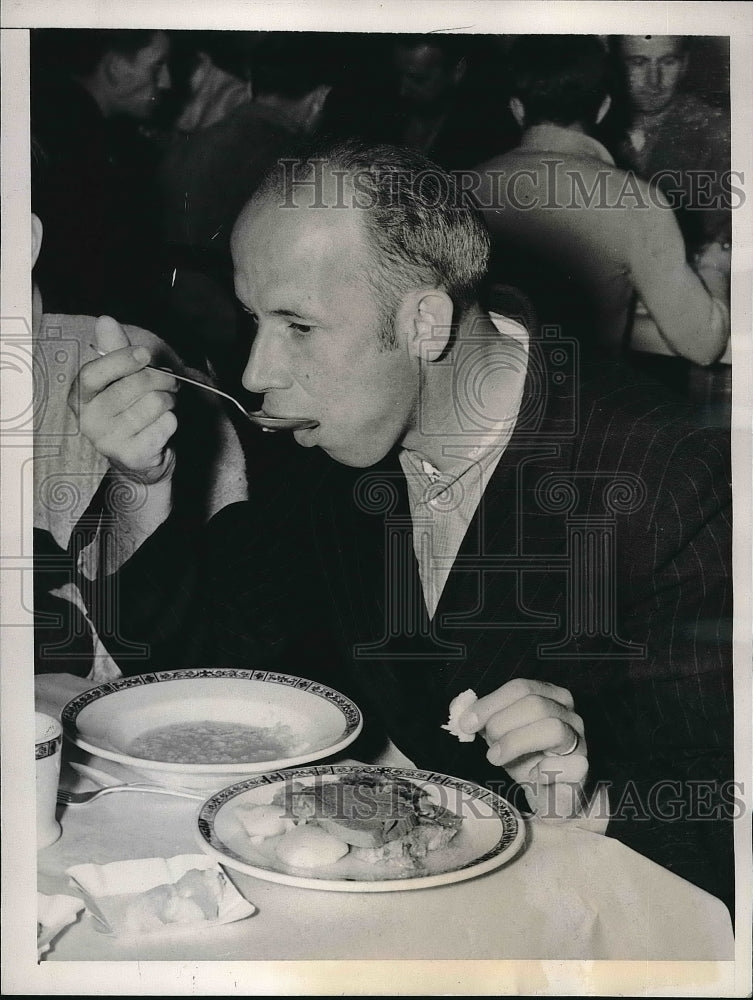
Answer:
(558, 139)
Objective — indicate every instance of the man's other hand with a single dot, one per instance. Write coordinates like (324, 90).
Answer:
(533, 731)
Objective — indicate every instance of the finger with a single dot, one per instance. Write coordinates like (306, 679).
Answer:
(572, 769)
(134, 389)
(109, 335)
(533, 708)
(97, 375)
(155, 437)
(476, 718)
(145, 450)
(144, 412)
(547, 736)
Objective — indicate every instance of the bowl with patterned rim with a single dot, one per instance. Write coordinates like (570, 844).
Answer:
(205, 728)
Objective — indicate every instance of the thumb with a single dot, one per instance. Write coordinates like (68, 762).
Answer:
(109, 335)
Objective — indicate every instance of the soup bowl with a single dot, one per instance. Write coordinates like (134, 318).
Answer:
(205, 728)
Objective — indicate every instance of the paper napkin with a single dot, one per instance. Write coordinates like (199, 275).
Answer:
(159, 895)
(53, 914)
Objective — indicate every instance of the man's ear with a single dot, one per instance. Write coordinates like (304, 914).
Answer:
(428, 314)
(36, 238)
(606, 104)
(113, 67)
(518, 111)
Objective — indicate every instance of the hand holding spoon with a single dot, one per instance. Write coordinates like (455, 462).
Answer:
(257, 417)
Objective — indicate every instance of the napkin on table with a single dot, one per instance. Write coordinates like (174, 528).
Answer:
(53, 914)
(159, 895)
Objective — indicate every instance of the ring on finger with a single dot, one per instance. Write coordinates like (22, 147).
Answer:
(570, 749)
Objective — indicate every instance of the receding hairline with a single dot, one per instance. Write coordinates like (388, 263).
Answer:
(262, 201)
(425, 243)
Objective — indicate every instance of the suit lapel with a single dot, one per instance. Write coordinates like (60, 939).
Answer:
(407, 667)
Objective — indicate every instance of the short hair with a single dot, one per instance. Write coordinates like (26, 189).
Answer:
(561, 79)
(422, 228)
(78, 51)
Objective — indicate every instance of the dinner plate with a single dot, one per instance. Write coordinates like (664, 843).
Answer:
(491, 834)
(205, 728)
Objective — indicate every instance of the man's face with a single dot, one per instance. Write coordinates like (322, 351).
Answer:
(317, 353)
(424, 78)
(654, 67)
(142, 78)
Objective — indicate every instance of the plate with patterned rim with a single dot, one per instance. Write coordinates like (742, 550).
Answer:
(491, 834)
(205, 728)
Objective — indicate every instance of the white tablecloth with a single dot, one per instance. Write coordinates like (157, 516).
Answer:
(570, 894)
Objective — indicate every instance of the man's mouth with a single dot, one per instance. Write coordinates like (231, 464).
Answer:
(286, 416)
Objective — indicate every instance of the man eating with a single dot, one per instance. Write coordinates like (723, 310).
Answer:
(497, 518)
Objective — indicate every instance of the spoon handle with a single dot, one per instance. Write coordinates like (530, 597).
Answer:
(200, 385)
(185, 378)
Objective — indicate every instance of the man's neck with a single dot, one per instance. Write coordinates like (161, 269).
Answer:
(463, 396)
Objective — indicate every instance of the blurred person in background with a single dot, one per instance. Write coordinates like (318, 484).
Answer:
(218, 78)
(445, 109)
(88, 518)
(207, 175)
(579, 235)
(664, 127)
(438, 94)
(92, 93)
(660, 127)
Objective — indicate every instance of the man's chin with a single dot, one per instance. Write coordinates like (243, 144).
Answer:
(307, 436)
(654, 105)
(353, 460)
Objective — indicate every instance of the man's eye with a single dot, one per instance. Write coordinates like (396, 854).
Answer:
(301, 328)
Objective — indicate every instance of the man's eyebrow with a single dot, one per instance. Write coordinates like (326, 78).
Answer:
(288, 312)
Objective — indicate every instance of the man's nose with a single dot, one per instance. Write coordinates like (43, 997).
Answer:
(164, 80)
(654, 76)
(265, 369)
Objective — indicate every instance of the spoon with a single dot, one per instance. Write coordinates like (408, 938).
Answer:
(258, 417)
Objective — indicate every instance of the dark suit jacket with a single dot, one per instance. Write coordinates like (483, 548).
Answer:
(599, 559)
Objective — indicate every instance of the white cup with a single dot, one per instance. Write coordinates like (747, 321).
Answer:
(47, 753)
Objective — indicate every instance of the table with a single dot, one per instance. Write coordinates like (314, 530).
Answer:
(570, 894)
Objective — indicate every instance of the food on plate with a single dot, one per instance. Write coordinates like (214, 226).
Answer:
(458, 707)
(309, 846)
(372, 817)
(264, 821)
(209, 742)
(193, 899)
